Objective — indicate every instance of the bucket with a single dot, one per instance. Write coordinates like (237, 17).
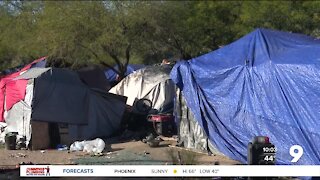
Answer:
(10, 140)
(21, 143)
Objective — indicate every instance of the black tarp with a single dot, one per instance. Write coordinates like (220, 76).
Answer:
(94, 77)
(105, 116)
(60, 96)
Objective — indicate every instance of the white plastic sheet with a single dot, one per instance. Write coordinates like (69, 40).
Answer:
(152, 83)
(18, 117)
(94, 146)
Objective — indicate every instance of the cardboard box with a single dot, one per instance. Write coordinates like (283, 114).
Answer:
(40, 138)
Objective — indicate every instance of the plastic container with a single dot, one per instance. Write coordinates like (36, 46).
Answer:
(11, 140)
(62, 147)
(21, 143)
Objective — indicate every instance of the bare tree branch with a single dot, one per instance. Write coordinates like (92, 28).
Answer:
(89, 49)
(179, 46)
(97, 57)
(127, 55)
(111, 54)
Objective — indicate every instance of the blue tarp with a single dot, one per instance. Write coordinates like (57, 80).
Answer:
(40, 64)
(266, 83)
(111, 75)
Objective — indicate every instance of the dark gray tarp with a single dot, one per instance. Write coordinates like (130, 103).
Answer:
(104, 121)
(94, 77)
(60, 96)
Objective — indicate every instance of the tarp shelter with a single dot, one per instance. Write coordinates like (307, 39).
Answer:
(59, 96)
(266, 83)
(152, 83)
(94, 77)
(111, 75)
(12, 91)
(18, 118)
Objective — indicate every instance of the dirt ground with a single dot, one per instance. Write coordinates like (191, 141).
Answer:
(10, 158)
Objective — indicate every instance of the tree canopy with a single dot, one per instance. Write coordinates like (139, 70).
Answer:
(75, 33)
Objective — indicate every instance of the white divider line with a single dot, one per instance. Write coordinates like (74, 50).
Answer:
(169, 170)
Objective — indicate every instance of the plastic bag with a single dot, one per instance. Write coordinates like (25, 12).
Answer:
(77, 146)
(93, 146)
(2, 132)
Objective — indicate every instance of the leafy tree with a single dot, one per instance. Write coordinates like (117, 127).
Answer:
(18, 26)
(97, 32)
(292, 16)
(193, 28)
(75, 33)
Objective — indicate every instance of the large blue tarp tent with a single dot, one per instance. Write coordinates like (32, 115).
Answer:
(266, 83)
(111, 75)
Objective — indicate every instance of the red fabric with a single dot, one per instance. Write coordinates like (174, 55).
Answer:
(13, 90)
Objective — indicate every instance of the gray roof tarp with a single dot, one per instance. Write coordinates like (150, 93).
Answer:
(32, 73)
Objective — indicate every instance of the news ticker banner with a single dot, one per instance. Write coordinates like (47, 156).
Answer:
(169, 170)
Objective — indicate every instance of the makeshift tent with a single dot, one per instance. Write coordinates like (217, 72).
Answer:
(12, 91)
(59, 96)
(266, 83)
(94, 77)
(152, 83)
(111, 75)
